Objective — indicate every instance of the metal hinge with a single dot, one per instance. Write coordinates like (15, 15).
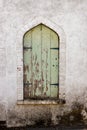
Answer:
(56, 84)
(27, 47)
(55, 48)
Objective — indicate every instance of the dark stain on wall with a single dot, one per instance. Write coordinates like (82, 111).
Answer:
(44, 120)
(74, 117)
(45, 115)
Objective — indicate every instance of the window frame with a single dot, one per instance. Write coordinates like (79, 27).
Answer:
(62, 53)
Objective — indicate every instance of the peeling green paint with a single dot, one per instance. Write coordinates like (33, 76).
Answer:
(41, 63)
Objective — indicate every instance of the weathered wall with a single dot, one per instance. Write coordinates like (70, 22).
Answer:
(71, 16)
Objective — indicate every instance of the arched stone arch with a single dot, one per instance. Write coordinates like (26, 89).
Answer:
(62, 53)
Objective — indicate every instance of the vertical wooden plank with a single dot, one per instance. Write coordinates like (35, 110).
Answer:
(36, 60)
(54, 64)
(27, 65)
(46, 60)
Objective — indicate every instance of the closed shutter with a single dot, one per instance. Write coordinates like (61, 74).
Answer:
(41, 63)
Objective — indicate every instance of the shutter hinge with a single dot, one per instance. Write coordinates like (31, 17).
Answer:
(27, 47)
(55, 48)
(56, 84)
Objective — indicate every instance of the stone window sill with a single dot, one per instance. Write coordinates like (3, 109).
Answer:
(40, 102)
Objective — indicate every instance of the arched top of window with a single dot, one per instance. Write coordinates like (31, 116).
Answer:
(41, 24)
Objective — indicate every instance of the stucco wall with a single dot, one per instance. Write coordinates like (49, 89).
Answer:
(71, 16)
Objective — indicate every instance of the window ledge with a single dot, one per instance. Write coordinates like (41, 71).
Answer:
(40, 102)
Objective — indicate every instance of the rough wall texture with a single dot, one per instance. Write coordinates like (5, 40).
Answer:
(71, 15)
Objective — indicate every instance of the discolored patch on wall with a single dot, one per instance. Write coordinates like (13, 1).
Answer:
(2, 112)
(16, 117)
(47, 115)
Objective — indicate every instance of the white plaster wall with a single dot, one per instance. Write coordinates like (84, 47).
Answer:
(71, 16)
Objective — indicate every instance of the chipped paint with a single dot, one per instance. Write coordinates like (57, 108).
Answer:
(39, 59)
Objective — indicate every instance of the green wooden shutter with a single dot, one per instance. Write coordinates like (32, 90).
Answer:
(41, 57)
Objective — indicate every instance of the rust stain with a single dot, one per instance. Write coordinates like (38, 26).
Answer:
(26, 68)
(36, 58)
(37, 71)
(46, 88)
(35, 86)
(38, 64)
(40, 89)
(26, 91)
(25, 77)
(42, 76)
(45, 93)
(30, 88)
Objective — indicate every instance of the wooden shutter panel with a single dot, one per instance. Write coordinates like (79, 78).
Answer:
(41, 57)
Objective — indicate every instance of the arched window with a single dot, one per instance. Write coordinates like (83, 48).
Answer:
(41, 63)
